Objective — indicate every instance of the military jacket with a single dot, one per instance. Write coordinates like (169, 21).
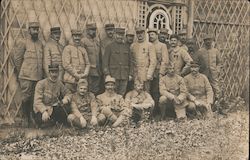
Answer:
(53, 55)
(93, 49)
(144, 60)
(75, 61)
(30, 59)
(143, 98)
(104, 43)
(117, 61)
(48, 93)
(199, 87)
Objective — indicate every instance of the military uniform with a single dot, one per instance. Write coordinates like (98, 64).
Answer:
(107, 40)
(75, 61)
(144, 61)
(47, 94)
(180, 59)
(199, 89)
(170, 87)
(117, 63)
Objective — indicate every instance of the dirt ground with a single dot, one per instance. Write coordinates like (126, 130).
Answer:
(218, 138)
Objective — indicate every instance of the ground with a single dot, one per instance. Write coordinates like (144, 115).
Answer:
(217, 138)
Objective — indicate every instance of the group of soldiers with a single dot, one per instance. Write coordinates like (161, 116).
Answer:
(124, 77)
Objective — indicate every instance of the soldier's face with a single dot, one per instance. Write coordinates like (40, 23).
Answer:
(130, 38)
(56, 36)
(194, 70)
(208, 43)
(170, 71)
(110, 32)
(183, 38)
(91, 33)
(34, 32)
(54, 74)
(139, 87)
(110, 86)
(173, 42)
(82, 89)
(162, 37)
(119, 37)
(140, 36)
(190, 46)
(152, 36)
(76, 38)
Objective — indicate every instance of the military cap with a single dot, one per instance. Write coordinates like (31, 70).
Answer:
(169, 65)
(91, 26)
(153, 30)
(130, 32)
(55, 29)
(208, 36)
(109, 79)
(120, 30)
(174, 36)
(164, 30)
(82, 82)
(109, 26)
(139, 29)
(33, 24)
(76, 31)
(183, 31)
(53, 67)
(194, 64)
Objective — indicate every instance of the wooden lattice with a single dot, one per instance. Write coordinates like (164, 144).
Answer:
(229, 21)
(68, 14)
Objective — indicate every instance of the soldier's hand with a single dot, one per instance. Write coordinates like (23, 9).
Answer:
(45, 116)
(64, 101)
(82, 75)
(77, 76)
(177, 100)
(130, 78)
(93, 121)
(83, 122)
(197, 103)
(149, 78)
(136, 106)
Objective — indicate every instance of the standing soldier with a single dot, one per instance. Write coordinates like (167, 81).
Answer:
(173, 94)
(182, 39)
(28, 60)
(179, 57)
(140, 102)
(200, 92)
(75, 62)
(50, 97)
(117, 61)
(92, 46)
(83, 106)
(162, 61)
(109, 30)
(111, 104)
(163, 37)
(211, 65)
(53, 52)
(144, 58)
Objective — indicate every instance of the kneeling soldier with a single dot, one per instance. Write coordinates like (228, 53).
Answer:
(139, 101)
(50, 97)
(83, 106)
(173, 93)
(200, 92)
(111, 104)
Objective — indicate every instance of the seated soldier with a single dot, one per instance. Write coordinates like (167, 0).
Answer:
(83, 106)
(173, 94)
(49, 99)
(111, 104)
(200, 92)
(139, 101)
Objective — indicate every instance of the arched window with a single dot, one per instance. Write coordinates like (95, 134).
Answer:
(159, 19)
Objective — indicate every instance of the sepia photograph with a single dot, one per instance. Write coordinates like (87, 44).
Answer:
(124, 79)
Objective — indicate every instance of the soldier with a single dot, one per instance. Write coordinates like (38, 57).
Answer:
(53, 52)
(163, 37)
(182, 39)
(28, 59)
(211, 64)
(111, 104)
(109, 30)
(50, 99)
(162, 61)
(179, 57)
(75, 62)
(200, 92)
(92, 46)
(130, 36)
(139, 101)
(173, 94)
(83, 106)
(144, 58)
(117, 61)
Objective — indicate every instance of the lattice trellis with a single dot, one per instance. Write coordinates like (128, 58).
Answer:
(228, 20)
(15, 15)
